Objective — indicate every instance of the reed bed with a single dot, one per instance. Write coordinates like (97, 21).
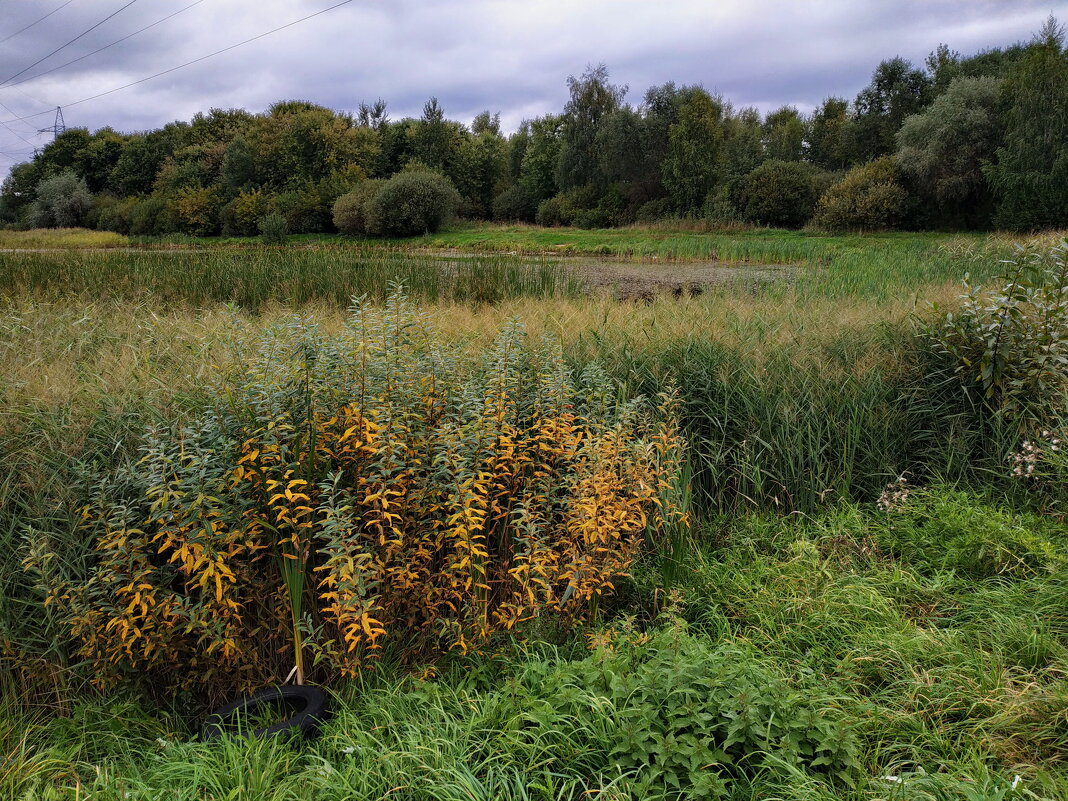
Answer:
(254, 277)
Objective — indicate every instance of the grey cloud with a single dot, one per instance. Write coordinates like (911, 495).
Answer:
(511, 56)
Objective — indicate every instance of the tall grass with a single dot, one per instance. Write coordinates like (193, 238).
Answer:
(252, 278)
(48, 238)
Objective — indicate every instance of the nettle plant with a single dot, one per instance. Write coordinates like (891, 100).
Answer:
(362, 488)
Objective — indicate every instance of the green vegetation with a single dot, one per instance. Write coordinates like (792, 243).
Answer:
(795, 530)
(857, 634)
(964, 142)
(254, 278)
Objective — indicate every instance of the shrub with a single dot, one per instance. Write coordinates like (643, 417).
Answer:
(102, 205)
(565, 207)
(411, 203)
(62, 202)
(869, 198)
(655, 210)
(779, 193)
(242, 215)
(350, 210)
(594, 218)
(551, 213)
(118, 216)
(273, 229)
(721, 208)
(196, 211)
(409, 496)
(515, 203)
(150, 216)
(1011, 344)
(305, 210)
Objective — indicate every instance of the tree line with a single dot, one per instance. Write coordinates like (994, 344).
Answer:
(961, 142)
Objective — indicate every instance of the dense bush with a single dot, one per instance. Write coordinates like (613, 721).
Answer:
(779, 193)
(150, 216)
(654, 210)
(515, 203)
(1010, 345)
(564, 208)
(109, 213)
(242, 215)
(196, 211)
(306, 210)
(350, 210)
(62, 202)
(942, 152)
(868, 198)
(273, 229)
(394, 484)
(411, 203)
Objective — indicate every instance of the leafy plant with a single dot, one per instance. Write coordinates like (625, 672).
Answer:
(685, 717)
(410, 203)
(1009, 345)
(350, 210)
(405, 495)
(869, 197)
(62, 202)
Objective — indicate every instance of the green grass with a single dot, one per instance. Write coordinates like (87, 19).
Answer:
(73, 238)
(938, 632)
(953, 681)
(252, 278)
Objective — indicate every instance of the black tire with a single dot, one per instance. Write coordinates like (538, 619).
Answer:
(311, 712)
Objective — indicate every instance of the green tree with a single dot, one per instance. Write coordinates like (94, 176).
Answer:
(481, 170)
(238, 168)
(784, 135)
(372, 115)
(20, 189)
(779, 193)
(694, 164)
(410, 203)
(538, 171)
(1029, 174)
(432, 136)
(96, 161)
(484, 122)
(870, 197)
(942, 151)
(897, 90)
(135, 170)
(743, 144)
(592, 99)
(62, 201)
(620, 156)
(826, 147)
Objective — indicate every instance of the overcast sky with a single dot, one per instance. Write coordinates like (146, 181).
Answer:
(511, 56)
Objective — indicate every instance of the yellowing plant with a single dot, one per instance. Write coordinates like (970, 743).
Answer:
(364, 489)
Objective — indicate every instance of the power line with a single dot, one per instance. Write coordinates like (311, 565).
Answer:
(42, 19)
(13, 131)
(105, 47)
(186, 64)
(72, 41)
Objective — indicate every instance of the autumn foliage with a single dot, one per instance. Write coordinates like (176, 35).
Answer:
(415, 497)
